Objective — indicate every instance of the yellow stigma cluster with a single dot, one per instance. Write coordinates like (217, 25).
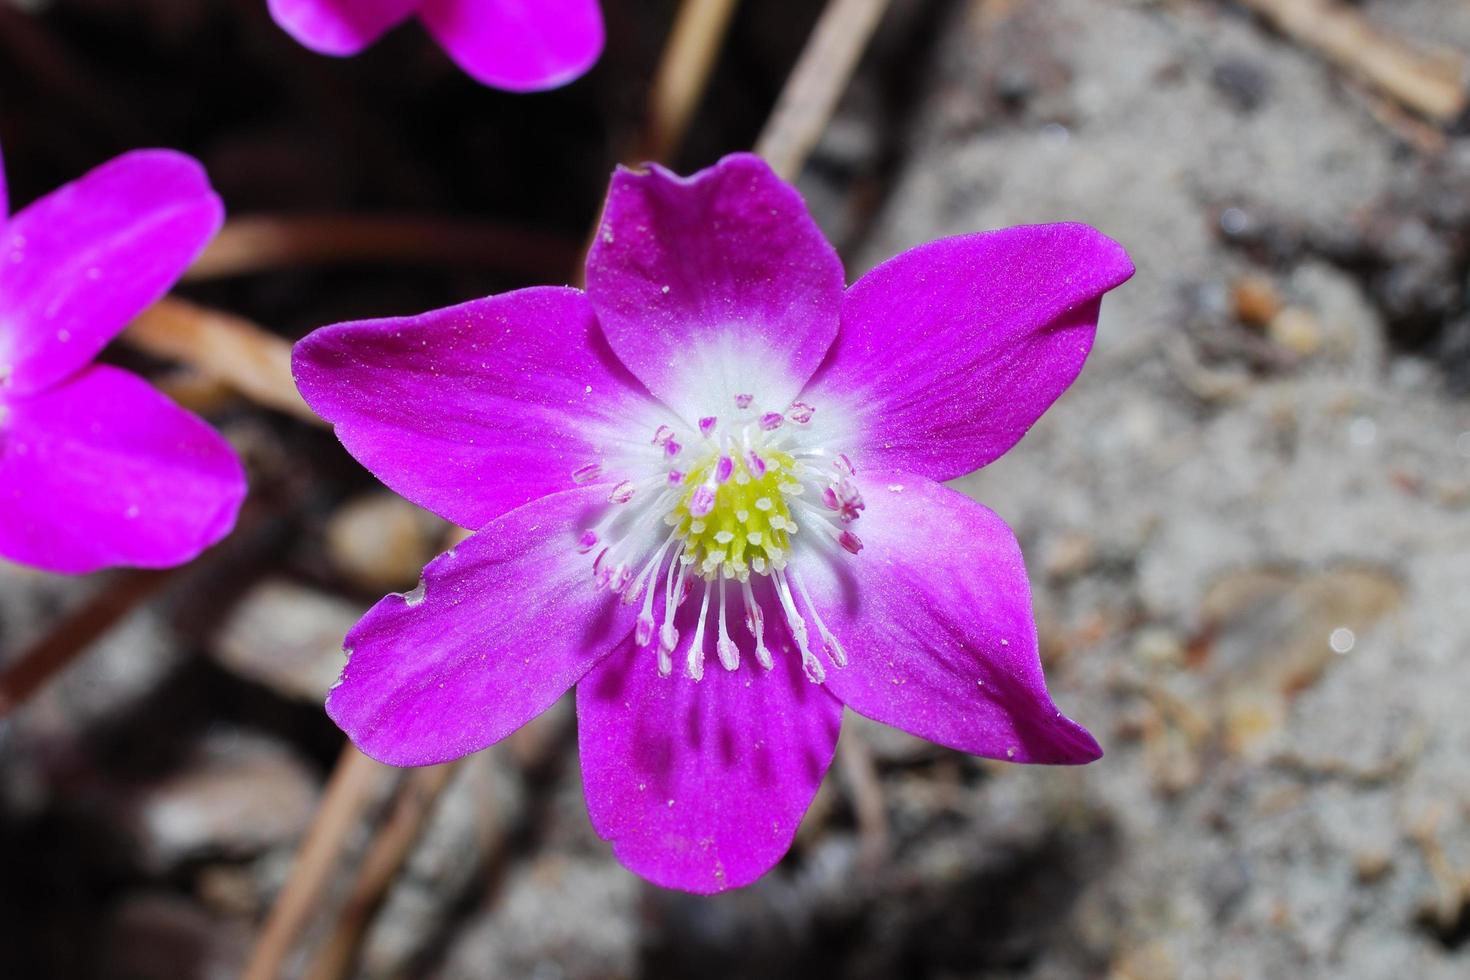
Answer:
(749, 527)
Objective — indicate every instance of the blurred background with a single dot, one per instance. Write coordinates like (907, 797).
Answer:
(1247, 525)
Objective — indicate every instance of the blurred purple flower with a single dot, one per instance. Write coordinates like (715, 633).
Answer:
(96, 467)
(520, 45)
(708, 496)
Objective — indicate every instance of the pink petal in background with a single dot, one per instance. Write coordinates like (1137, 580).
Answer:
(519, 45)
(104, 470)
(85, 259)
(340, 27)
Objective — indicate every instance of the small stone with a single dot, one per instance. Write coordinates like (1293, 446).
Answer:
(1255, 300)
(238, 797)
(381, 542)
(1069, 555)
(1296, 330)
(287, 637)
(1159, 647)
(1372, 865)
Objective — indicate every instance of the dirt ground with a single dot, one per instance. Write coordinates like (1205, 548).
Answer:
(1247, 526)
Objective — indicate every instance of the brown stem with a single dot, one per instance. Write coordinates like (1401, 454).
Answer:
(1431, 84)
(261, 243)
(683, 74)
(817, 82)
(855, 759)
(380, 866)
(58, 648)
(248, 358)
(347, 793)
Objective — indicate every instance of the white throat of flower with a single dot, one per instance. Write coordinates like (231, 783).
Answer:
(733, 498)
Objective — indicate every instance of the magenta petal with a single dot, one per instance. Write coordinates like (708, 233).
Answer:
(339, 27)
(701, 785)
(475, 409)
(935, 616)
(520, 45)
(499, 628)
(104, 470)
(949, 352)
(81, 262)
(719, 279)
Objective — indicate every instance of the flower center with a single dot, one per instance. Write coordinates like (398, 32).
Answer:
(734, 518)
(729, 503)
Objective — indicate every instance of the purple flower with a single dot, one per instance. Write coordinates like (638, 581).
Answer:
(805, 557)
(520, 45)
(96, 467)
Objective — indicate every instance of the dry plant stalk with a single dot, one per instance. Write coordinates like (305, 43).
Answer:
(264, 242)
(380, 866)
(1431, 84)
(816, 83)
(250, 359)
(347, 793)
(61, 645)
(683, 74)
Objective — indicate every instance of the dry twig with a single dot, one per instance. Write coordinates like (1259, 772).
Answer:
(74, 634)
(817, 82)
(264, 242)
(1432, 85)
(347, 793)
(379, 867)
(250, 359)
(683, 74)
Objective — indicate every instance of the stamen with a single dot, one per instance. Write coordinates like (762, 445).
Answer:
(702, 501)
(696, 648)
(742, 402)
(587, 542)
(676, 477)
(815, 672)
(801, 413)
(647, 571)
(668, 637)
(834, 649)
(707, 425)
(850, 541)
(622, 493)
(755, 621)
(844, 465)
(755, 463)
(662, 435)
(672, 448)
(723, 469)
(586, 474)
(725, 647)
(771, 421)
